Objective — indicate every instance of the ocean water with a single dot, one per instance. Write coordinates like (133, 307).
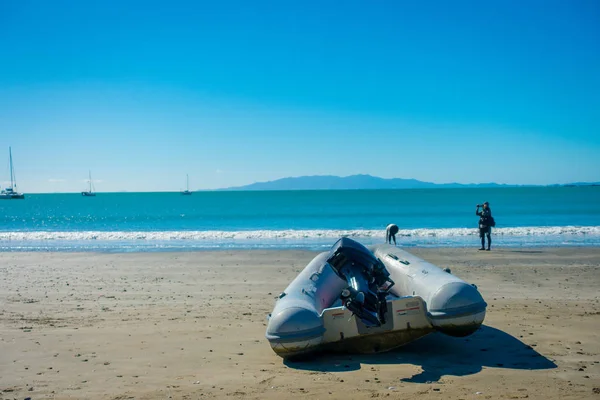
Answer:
(553, 216)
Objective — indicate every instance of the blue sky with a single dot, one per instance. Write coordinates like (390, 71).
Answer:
(232, 92)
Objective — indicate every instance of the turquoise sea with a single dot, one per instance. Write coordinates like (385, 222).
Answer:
(540, 216)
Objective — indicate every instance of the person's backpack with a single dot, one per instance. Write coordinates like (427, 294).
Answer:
(492, 222)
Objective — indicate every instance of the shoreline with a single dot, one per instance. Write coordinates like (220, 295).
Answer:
(152, 249)
(315, 239)
(191, 325)
(411, 249)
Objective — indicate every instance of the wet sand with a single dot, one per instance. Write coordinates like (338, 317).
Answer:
(191, 326)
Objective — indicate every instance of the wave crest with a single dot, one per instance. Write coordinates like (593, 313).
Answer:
(291, 234)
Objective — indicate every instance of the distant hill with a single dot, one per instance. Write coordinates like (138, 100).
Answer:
(330, 182)
(578, 184)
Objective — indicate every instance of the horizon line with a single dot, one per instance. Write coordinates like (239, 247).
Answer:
(507, 186)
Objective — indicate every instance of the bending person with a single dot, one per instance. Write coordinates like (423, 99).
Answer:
(390, 233)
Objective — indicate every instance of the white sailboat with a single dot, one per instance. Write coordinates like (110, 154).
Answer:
(11, 193)
(89, 192)
(187, 186)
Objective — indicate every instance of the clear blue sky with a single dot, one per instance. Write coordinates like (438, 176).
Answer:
(232, 92)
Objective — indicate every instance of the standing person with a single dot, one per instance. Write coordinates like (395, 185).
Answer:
(390, 233)
(485, 224)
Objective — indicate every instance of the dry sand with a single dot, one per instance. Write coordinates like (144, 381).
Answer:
(191, 326)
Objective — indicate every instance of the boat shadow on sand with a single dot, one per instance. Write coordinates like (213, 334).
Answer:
(440, 355)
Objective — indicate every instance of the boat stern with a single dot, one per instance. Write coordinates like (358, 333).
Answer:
(405, 320)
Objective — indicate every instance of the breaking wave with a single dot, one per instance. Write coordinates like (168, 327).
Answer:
(257, 235)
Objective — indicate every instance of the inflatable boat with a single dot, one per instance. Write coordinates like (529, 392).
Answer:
(366, 300)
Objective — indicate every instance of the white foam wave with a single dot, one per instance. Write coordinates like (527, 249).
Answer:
(290, 234)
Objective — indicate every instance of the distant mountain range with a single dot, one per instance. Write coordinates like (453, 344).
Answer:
(330, 182)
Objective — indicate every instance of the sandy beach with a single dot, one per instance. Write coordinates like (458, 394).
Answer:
(191, 326)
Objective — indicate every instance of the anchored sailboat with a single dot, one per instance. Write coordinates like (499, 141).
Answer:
(10, 193)
(187, 186)
(89, 192)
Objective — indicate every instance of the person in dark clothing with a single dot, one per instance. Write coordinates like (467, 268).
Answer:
(485, 224)
(390, 233)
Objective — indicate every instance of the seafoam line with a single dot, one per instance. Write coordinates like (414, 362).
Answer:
(290, 234)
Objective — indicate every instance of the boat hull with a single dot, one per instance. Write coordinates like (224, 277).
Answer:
(18, 196)
(308, 316)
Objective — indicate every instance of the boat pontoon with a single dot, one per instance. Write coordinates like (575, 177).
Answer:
(356, 299)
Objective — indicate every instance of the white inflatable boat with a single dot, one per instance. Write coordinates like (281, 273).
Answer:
(370, 300)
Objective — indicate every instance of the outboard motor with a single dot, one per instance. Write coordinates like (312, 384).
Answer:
(368, 280)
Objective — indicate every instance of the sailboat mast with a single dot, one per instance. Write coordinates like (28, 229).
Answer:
(187, 182)
(12, 172)
(90, 173)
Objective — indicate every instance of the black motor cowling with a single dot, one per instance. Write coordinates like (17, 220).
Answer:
(368, 280)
